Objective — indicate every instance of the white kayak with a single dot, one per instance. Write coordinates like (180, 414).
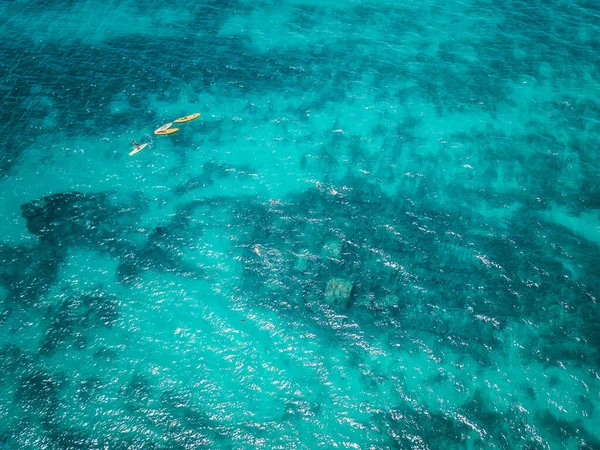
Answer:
(138, 149)
(163, 128)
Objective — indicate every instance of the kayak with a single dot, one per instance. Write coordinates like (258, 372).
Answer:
(163, 128)
(165, 132)
(138, 149)
(187, 118)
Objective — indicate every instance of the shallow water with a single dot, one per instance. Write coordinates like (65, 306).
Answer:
(438, 288)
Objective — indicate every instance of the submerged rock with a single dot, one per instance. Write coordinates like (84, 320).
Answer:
(39, 390)
(332, 249)
(77, 319)
(137, 393)
(337, 292)
(88, 388)
(301, 263)
(27, 273)
(389, 301)
(66, 217)
(12, 360)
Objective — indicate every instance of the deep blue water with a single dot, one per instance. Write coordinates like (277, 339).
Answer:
(382, 232)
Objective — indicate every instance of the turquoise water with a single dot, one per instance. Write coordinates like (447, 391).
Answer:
(382, 232)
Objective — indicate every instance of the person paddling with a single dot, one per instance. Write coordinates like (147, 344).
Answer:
(135, 144)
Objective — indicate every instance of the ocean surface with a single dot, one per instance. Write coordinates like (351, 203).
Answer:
(382, 233)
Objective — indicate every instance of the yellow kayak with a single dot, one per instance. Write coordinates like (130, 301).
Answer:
(165, 132)
(187, 118)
